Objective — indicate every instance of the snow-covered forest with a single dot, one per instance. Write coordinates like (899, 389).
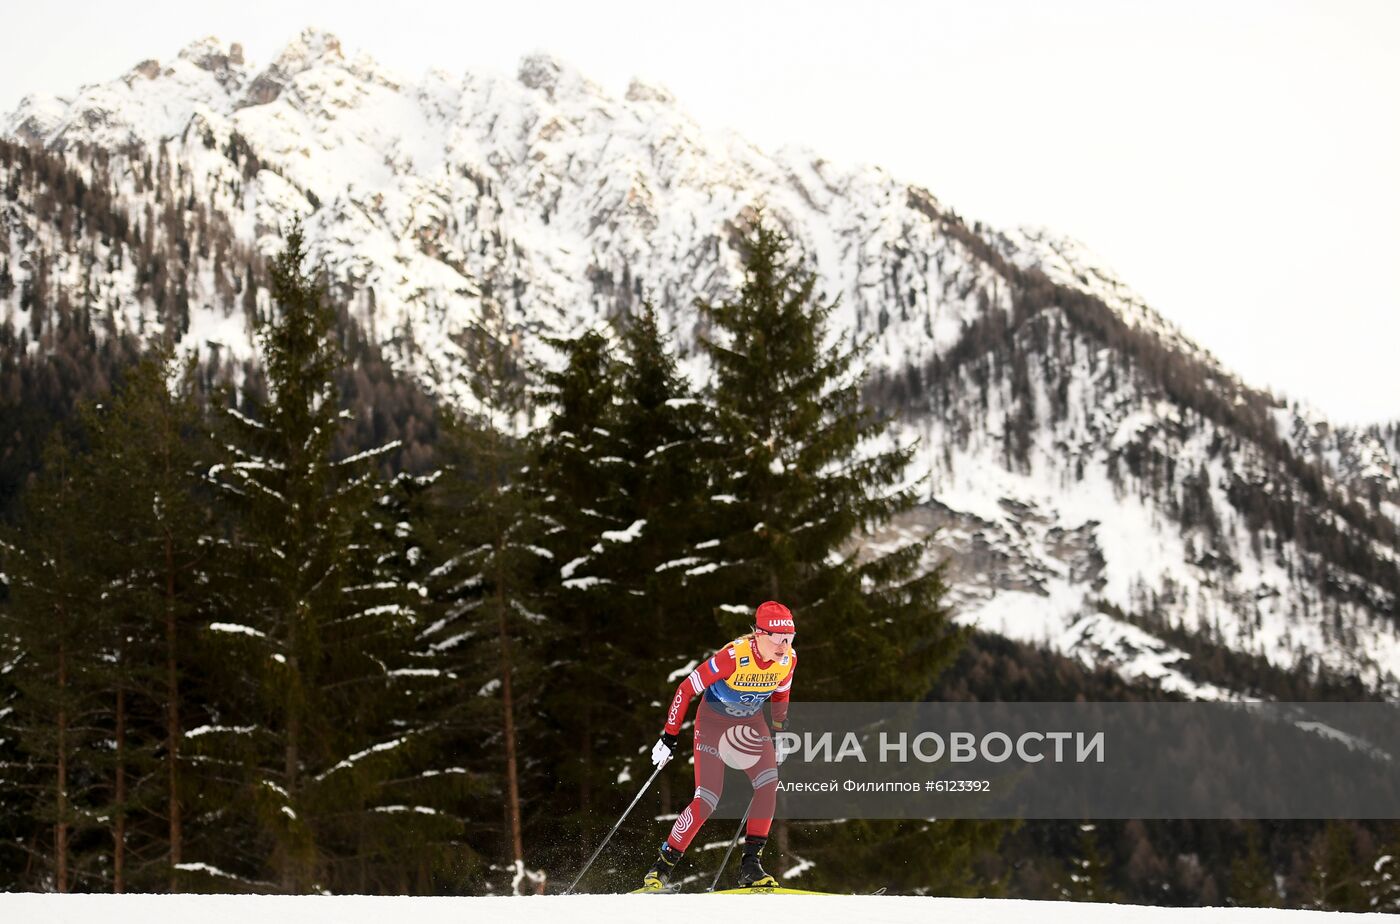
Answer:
(239, 659)
(364, 500)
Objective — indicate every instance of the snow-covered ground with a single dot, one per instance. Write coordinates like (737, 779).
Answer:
(609, 909)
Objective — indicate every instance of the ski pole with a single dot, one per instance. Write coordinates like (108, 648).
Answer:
(730, 852)
(642, 792)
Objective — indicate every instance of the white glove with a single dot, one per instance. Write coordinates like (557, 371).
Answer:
(664, 749)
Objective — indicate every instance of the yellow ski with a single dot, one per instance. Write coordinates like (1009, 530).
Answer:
(768, 890)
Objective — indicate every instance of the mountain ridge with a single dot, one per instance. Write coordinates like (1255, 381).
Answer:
(1090, 422)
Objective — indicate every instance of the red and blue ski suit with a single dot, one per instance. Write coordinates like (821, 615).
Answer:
(730, 730)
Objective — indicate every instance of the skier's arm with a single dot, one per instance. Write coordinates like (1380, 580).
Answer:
(780, 698)
(719, 667)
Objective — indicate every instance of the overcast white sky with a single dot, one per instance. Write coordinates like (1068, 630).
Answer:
(1237, 161)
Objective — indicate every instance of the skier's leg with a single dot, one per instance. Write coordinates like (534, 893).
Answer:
(709, 785)
(764, 777)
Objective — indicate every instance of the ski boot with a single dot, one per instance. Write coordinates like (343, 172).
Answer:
(751, 874)
(656, 877)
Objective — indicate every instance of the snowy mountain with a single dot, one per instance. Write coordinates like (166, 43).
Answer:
(1095, 477)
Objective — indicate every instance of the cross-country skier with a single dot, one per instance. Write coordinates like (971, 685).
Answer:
(729, 727)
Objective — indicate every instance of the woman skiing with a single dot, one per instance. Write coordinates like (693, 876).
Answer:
(729, 727)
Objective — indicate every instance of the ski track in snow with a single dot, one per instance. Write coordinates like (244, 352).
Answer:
(610, 909)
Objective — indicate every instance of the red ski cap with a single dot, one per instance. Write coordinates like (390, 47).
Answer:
(773, 617)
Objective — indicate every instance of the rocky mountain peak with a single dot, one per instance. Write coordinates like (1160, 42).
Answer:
(311, 47)
(211, 54)
(224, 62)
(553, 77)
(642, 91)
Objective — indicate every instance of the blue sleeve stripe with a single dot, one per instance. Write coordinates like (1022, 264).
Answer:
(713, 666)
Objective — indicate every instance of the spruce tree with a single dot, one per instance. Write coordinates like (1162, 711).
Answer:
(574, 463)
(661, 570)
(485, 546)
(18, 780)
(57, 638)
(806, 481)
(319, 704)
(617, 475)
(1251, 879)
(1336, 874)
(148, 447)
(801, 482)
(662, 434)
(121, 524)
(1086, 880)
(1383, 883)
(17, 786)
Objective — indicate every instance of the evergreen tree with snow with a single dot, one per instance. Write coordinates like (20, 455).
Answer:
(56, 637)
(1382, 885)
(1336, 874)
(17, 783)
(659, 565)
(1086, 879)
(615, 469)
(663, 432)
(575, 461)
(130, 535)
(1251, 879)
(319, 696)
(616, 474)
(148, 447)
(485, 536)
(807, 476)
(802, 477)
